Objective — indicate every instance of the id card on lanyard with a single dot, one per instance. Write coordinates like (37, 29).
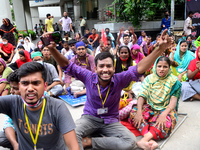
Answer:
(103, 110)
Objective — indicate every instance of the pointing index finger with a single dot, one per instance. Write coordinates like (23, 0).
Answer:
(163, 34)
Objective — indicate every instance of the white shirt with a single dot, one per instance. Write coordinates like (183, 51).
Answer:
(130, 44)
(83, 22)
(188, 23)
(66, 23)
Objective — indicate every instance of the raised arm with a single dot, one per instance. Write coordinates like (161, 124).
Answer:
(119, 36)
(60, 59)
(164, 42)
(134, 38)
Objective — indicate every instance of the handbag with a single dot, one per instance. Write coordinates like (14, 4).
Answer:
(195, 85)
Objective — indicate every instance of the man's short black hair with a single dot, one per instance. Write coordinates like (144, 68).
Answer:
(85, 41)
(81, 16)
(4, 37)
(20, 36)
(107, 29)
(190, 12)
(13, 77)
(103, 55)
(166, 11)
(65, 42)
(21, 47)
(66, 33)
(32, 67)
(73, 41)
(125, 35)
(109, 40)
(93, 29)
(87, 29)
(48, 15)
(158, 35)
(149, 36)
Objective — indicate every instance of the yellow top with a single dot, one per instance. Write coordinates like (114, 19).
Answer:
(49, 23)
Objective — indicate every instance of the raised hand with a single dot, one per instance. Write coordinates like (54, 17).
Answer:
(198, 65)
(165, 41)
(121, 30)
(131, 29)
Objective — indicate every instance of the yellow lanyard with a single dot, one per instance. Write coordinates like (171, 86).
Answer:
(147, 46)
(103, 102)
(83, 63)
(123, 67)
(39, 123)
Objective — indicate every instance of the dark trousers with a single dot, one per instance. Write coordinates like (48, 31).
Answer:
(5, 57)
(83, 30)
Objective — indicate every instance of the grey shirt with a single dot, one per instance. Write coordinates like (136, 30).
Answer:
(52, 74)
(56, 121)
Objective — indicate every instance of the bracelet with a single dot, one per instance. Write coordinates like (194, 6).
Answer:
(169, 108)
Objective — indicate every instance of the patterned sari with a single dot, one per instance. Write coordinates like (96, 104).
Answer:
(3, 76)
(157, 92)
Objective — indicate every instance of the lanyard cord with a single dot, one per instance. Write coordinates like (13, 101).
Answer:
(83, 63)
(103, 102)
(39, 123)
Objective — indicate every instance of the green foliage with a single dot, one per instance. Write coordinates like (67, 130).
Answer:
(10, 1)
(137, 10)
(33, 34)
(23, 33)
(13, 15)
(30, 33)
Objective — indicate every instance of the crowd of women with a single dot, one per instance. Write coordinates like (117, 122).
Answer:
(175, 73)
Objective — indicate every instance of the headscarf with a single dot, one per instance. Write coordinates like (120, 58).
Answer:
(192, 66)
(119, 67)
(185, 60)
(28, 46)
(139, 56)
(157, 90)
(38, 44)
(6, 72)
(26, 55)
(8, 27)
(197, 42)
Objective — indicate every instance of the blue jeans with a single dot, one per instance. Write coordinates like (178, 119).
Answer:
(113, 136)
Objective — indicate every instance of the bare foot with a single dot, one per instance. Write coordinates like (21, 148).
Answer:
(191, 99)
(154, 144)
(87, 142)
(145, 145)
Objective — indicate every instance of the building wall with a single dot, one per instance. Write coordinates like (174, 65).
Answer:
(34, 15)
(5, 10)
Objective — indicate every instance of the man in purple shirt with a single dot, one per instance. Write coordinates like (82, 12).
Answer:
(83, 60)
(145, 46)
(101, 111)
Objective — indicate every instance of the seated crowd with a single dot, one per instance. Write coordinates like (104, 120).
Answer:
(105, 70)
